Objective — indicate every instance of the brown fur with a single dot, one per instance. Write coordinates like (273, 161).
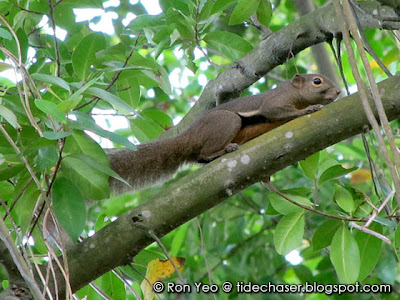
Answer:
(219, 130)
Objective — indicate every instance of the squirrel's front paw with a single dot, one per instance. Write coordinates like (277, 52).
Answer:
(314, 108)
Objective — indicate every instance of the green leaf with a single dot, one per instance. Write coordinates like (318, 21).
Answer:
(67, 105)
(264, 12)
(9, 171)
(129, 91)
(152, 70)
(6, 189)
(205, 11)
(244, 9)
(24, 207)
(228, 44)
(86, 122)
(101, 222)
(157, 116)
(147, 21)
(52, 79)
(285, 207)
(145, 130)
(303, 273)
(115, 101)
(310, 165)
(370, 250)
(179, 239)
(50, 135)
(112, 286)
(9, 116)
(388, 268)
(90, 182)
(51, 109)
(69, 207)
(46, 158)
(80, 142)
(85, 53)
(5, 34)
(103, 168)
(386, 222)
(289, 233)
(324, 234)
(334, 172)
(345, 255)
(221, 5)
(343, 198)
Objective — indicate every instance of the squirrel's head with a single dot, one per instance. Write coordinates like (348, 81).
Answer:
(315, 89)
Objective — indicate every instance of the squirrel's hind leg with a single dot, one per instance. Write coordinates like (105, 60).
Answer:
(220, 127)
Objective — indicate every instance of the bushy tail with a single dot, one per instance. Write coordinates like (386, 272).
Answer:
(149, 164)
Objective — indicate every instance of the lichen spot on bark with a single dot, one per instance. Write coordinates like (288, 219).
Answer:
(228, 187)
(289, 134)
(231, 164)
(245, 159)
(146, 214)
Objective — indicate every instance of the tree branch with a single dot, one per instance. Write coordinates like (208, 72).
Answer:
(319, 26)
(188, 197)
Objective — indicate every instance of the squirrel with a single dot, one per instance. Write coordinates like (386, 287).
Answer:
(221, 130)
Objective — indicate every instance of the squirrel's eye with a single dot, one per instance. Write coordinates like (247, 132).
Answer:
(317, 81)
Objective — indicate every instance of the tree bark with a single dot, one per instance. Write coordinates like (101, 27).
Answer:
(319, 26)
(119, 242)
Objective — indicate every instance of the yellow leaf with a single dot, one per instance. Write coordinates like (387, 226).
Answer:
(147, 290)
(360, 175)
(158, 270)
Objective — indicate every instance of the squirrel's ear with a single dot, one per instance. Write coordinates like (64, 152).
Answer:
(298, 81)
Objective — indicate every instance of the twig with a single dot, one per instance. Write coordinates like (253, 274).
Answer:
(265, 31)
(20, 262)
(113, 79)
(366, 42)
(233, 251)
(275, 190)
(29, 11)
(203, 250)
(53, 25)
(24, 96)
(4, 21)
(99, 291)
(151, 233)
(371, 163)
(364, 98)
(21, 192)
(127, 284)
(371, 232)
(15, 228)
(196, 38)
(57, 167)
(63, 267)
(23, 158)
(377, 211)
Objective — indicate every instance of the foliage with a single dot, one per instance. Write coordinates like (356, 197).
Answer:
(130, 85)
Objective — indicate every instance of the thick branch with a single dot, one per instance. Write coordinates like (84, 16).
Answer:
(217, 181)
(319, 26)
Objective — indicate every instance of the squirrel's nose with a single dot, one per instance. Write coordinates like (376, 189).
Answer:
(338, 91)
